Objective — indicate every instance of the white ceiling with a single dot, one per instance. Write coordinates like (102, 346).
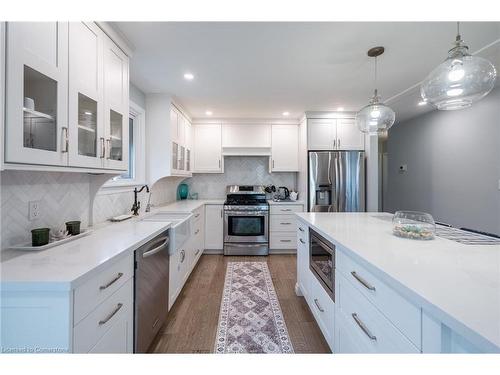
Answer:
(248, 69)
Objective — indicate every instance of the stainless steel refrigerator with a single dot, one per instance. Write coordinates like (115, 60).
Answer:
(336, 181)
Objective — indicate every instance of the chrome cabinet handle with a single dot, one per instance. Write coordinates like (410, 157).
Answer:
(65, 139)
(338, 143)
(285, 240)
(183, 256)
(273, 163)
(301, 240)
(362, 281)
(286, 209)
(107, 319)
(197, 215)
(334, 143)
(103, 148)
(318, 305)
(286, 223)
(301, 229)
(108, 147)
(220, 213)
(363, 327)
(197, 252)
(219, 163)
(197, 231)
(156, 249)
(102, 287)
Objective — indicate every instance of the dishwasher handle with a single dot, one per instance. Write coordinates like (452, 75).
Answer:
(158, 248)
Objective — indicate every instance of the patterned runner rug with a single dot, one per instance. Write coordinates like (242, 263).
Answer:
(250, 318)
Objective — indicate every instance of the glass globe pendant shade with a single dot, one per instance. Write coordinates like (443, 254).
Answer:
(459, 81)
(375, 118)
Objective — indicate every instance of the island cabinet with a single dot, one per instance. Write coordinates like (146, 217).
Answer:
(95, 316)
(369, 314)
(66, 98)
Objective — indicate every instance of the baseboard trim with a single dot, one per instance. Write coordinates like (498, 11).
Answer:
(271, 251)
(213, 252)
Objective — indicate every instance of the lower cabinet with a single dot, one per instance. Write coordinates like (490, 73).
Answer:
(283, 226)
(214, 226)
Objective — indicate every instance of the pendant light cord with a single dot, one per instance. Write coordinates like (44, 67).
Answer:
(459, 37)
(375, 83)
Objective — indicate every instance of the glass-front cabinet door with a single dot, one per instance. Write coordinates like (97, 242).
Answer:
(86, 99)
(36, 128)
(116, 107)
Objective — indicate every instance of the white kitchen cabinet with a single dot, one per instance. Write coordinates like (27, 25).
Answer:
(207, 147)
(116, 106)
(321, 134)
(67, 97)
(86, 95)
(285, 148)
(214, 227)
(334, 134)
(348, 135)
(246, 135)
(37, 71)
(283, 227)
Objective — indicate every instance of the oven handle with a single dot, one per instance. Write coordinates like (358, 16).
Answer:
(246, 213)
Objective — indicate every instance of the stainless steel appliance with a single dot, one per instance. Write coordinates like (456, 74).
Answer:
(322, 261)
(150, 290)
(246, 221)
(336, 181)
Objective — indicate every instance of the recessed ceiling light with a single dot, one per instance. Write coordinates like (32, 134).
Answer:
(423, 102)
(189, 76)
(208, 113)
(340, 109)
(286, 113)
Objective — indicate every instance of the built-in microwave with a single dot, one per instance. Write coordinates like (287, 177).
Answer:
(322, 261)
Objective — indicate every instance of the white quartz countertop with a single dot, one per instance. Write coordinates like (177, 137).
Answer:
(456, 283)
(187, 205)
(68, 265)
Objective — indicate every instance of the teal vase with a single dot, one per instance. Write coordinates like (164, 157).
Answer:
(183, 191)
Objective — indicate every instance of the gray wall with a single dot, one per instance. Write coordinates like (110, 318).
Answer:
(453, 160)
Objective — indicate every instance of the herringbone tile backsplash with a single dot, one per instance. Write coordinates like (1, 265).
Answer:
(239, 170)
(66, 196)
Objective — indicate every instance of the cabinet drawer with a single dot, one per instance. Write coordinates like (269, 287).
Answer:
(404, 315)
(101, 286)
(322, 307)
(303, 272)
(114, 310)
(364, 321)
(283, 223)
(285, 209)
(283, 240)
(198, 215)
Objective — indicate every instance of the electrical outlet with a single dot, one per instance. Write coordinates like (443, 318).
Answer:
(34, 210)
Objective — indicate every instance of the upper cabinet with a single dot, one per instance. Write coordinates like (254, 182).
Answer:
(208, 148)
(285, 148)
(246, 136)
(36, 128)
(67, 97)
(168, 136)
(334, 134)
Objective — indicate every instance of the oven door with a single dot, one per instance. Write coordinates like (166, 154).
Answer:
(246, 226)
(322, 261)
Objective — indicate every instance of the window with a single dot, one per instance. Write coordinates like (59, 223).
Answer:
(136, 172)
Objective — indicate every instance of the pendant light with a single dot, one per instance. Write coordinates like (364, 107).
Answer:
(460, 80)
(376, 117)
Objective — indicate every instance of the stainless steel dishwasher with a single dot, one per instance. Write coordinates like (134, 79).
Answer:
(150, 290)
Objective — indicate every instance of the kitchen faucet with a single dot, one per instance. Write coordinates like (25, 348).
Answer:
(137, 205)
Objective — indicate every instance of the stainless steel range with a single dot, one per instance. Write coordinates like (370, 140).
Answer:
(246, 221)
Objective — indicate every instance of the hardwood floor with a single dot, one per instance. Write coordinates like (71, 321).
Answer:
(192, 322)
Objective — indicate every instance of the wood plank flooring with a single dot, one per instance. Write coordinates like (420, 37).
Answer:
(192, 322)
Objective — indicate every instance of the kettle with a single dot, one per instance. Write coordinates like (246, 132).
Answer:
(283, 193)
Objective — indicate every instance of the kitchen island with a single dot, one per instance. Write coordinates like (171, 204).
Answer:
(438, 295)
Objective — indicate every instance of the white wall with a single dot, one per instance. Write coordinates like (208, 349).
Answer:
(453, 160)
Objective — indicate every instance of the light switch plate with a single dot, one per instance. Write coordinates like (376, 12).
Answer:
(34, 210)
